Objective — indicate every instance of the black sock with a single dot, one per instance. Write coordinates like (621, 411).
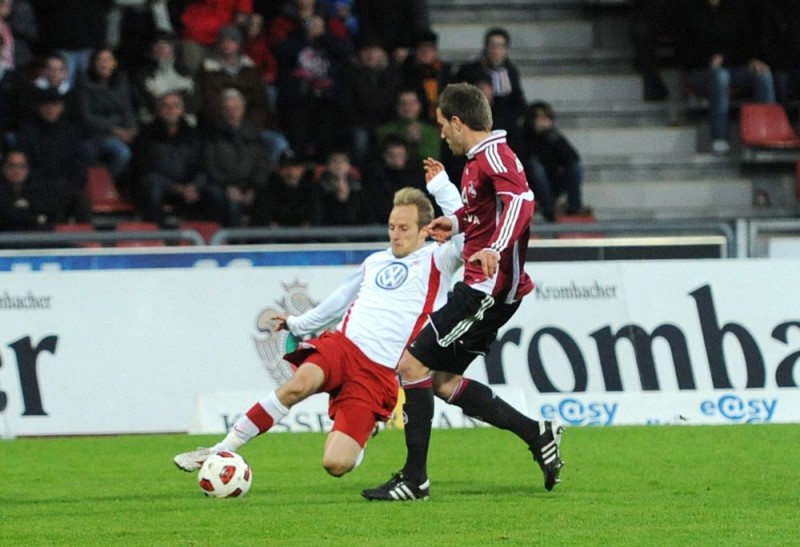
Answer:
(418, 415)
(479, 401)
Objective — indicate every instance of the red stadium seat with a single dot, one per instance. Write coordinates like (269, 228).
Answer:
(138, 226)
(77, 227)
(582, 218)
(766, 125)
(103, 195)
(205, 228)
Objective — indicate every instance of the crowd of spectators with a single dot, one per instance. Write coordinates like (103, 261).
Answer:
(294, 112)
(241, 112)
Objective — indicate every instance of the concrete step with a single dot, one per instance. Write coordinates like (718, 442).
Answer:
(616, 114)
(525, 35)
(583, 88)
(645, 198)
(634, 141)
(692, 198)
(554, 62)
(501, 11)
(655, 167)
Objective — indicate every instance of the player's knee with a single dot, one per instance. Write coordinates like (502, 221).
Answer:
(411, 370)
(337, 466)
(445, 384)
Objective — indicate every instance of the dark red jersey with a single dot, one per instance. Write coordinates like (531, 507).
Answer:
(497, 211)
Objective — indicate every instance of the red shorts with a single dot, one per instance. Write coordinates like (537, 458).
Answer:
(361, 391)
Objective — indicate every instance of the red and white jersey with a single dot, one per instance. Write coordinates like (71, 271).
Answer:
(497, 212)
(387, 301)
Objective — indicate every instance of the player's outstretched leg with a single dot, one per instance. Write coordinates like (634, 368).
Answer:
(259, 419)
(543, 438)
(192, 461)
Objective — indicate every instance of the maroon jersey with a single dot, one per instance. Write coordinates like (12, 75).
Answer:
(497, 211)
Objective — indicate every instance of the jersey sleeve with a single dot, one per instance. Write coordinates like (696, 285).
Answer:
(330, 309)
(449, 256)
(445, 193)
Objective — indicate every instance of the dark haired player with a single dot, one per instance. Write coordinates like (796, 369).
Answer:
(495, 221)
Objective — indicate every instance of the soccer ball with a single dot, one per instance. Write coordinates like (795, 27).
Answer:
(225, 475)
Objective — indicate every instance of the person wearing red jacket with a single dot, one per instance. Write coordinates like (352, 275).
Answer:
(202, 20)
(495, 221)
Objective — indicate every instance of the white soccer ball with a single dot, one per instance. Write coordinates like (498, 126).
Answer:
(225, 475)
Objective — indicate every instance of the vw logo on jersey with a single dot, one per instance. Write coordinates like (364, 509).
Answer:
(392, 276)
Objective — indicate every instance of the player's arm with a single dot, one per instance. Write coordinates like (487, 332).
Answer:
(515, 219)
(327, 311)
(443, 191)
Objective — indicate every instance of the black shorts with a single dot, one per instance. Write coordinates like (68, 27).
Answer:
(461, 330)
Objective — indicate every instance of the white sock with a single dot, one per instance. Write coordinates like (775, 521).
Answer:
(359, 458)
(259, 419)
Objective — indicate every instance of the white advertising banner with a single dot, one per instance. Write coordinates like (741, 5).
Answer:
(600, 343)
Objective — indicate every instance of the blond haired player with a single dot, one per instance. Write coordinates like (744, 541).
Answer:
(382, 306)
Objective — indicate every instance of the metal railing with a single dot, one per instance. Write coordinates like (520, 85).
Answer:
(337, 234)
(27, 240)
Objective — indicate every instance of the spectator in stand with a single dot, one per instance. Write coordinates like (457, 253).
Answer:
(75, 29)
(52, 144)
(311, 48)
(778, 23)
(553, 165)
(51, 76)
(294, 15)
(258, 49)
(168, 167)
(397, 22)
(24, 203)
(426, 72)
(388, 173)
(235, 159)
(7, 93)
(7, 53)
(371, 82)
(21, 20)
(202, 20)
(289, 198)
(650, 19)
(230, 68)
(421, 138)
(109, 114)
(133, 26)
(161, 74)
(339, 189)
(508, 98)
(717, 48)
(343, 10)
(225, 68)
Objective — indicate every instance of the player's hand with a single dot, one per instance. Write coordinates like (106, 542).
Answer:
(280, 322)
(440, 229)
(488, 260)
(432, 168)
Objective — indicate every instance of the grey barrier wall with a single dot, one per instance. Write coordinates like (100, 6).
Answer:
(611, 240)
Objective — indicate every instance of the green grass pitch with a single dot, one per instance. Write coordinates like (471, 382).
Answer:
(658, 485)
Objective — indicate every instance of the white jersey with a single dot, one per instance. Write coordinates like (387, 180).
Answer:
(387, 301)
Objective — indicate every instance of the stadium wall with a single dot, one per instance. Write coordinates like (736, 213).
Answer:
(164, 341)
